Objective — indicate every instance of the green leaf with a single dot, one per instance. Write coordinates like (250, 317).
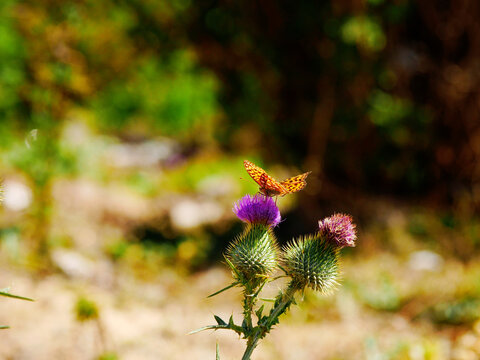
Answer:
(268, 300)
(239, 275)
(244, 325)
(259, 312)
(4, 327)
(2, 293)
(281, 268)
(279, 277)
(219, 320)
(260, 288)
(209, 327)
(225, 288)
(231, 325)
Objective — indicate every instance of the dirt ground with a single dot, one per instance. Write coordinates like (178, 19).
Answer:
(151, 320)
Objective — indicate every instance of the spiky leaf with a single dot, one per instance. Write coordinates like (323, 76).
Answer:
(259, 312)
(225, 288)
(219, 320)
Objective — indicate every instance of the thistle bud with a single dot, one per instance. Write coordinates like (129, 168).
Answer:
(312, 261)
(254, 253)
(338, 229)
(257, 209)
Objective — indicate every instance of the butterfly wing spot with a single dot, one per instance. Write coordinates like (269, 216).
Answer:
(295, 183)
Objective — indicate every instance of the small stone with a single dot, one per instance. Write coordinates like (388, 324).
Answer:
(425, 260)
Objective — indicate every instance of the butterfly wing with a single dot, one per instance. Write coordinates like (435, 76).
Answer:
(256, 172)
(295, 183)
(268, 185)
(271, 187)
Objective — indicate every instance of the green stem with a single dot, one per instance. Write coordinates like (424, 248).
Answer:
(251, 345)
(284, 301)
(252, 289)
(248, 303)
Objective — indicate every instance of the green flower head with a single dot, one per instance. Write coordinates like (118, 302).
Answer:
(254, 253)
(312, 261)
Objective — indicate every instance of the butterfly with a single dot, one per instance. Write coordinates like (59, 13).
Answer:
(271, 187)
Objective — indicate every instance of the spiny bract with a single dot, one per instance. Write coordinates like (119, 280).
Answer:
(254, 253)
(312, 261)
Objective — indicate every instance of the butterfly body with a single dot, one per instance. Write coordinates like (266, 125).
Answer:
(271, 187)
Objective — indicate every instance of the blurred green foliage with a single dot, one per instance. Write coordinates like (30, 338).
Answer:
(86, 310)
(365, 32)
(181, 69)
(362, 94)
(461, 311)
(171, 97)
(385, 296)
(108, 356)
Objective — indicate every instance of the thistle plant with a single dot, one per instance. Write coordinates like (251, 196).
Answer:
(310, 261)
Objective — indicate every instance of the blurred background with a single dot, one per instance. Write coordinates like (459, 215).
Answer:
(123, 129)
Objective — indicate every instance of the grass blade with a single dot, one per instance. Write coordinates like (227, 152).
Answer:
(2, 293)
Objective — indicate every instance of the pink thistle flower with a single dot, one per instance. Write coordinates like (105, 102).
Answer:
(339, 229)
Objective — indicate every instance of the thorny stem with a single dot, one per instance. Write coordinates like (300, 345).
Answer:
(248, 303)
(284, 303)
(281, 305)
(251, 345)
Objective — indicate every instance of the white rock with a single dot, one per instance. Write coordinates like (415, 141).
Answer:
(16, 195)
(145, 154)
(425, 260)
(73, 264)
(187, 214)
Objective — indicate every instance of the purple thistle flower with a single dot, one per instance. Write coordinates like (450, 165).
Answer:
(257, 209)
(339, 229)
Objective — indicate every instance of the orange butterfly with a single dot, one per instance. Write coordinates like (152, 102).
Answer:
(271, 187)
